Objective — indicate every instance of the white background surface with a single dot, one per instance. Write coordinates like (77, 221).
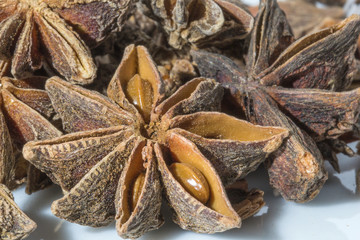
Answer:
(333, 215)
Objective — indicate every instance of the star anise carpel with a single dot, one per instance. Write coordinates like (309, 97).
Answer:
(56, 34)
(123, 151)
(25, 110)
(14, 224)
(292, 84)
(201, 22)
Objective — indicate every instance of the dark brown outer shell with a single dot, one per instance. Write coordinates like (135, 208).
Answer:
(26, 109)
(322, 114)
(94, 21)
(14, 224)
(323, 60)
(296, 169)
(270, 37)
(98, 112)
(91, 201)
(53, 158)
(189, 213)
(146, 216)
(206, 97)
(7, 160)
(26, 123)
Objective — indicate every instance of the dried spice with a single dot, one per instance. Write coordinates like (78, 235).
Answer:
(247, 201)
(173, 65)
(286, 84)
(36, 33)
(329, 148)
(24, 109)
(117, 152)
(201, 21)
(14, 224)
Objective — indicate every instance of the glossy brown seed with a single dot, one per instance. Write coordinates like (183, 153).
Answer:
(192, 180)
(140, 93)
(136, 190)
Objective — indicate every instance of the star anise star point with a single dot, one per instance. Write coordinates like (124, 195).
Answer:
(25, 110)
(120, 149)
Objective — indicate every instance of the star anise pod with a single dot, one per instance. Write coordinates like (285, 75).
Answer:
(14, 224)
(111, 163)
(55, 33)
(24, 110)
(201, 21)
(288, 85)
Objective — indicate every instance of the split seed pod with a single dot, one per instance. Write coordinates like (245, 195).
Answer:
(202, 21)
(108, 166)
(25, 110)
(54, 33)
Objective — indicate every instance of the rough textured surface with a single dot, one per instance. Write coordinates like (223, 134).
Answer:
(14, 224)
(91, 201)
(34, 33)
(89, 161)
(322, 60)
(296, 169)
(146, 216)
(189, 212)
(323, 114)
(233, 159)
(200, 22)
(25, 113)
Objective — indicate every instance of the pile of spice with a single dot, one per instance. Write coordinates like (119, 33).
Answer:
(127, 105)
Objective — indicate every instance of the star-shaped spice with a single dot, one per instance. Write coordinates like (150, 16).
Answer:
(24, 110)
(55, 33)
(201, 21)
(14, 224)
(112, 163)
(284, 85)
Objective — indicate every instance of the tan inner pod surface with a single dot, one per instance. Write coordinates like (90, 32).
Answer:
(182, 93)
(139, 81)
(183, 152)
(133, 170)
(222, 126)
